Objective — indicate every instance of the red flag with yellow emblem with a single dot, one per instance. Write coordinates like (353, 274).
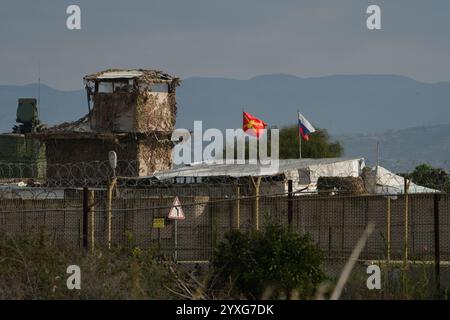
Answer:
(253, 126)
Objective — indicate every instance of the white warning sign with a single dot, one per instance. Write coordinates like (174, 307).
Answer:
(176, 212)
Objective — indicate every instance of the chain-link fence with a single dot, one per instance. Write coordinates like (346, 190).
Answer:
(334, 222)
(107, 212)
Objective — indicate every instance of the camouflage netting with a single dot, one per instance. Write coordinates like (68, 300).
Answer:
(114, 112)
(348, 185)
(155, 111)
(133, 114)
(139, 101)
(154, 155)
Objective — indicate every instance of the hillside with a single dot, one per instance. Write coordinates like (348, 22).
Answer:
(342, 104)
(383, 105)
(402, 148)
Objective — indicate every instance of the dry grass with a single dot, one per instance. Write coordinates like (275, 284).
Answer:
(33, 267)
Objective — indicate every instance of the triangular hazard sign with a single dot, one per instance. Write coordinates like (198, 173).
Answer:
(176, 212)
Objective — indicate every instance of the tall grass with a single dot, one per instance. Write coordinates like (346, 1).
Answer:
(34, 267)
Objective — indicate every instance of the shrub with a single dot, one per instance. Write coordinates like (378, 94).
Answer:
(273, 259)
(430, 177)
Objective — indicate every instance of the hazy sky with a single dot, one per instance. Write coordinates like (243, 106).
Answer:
(227, 38)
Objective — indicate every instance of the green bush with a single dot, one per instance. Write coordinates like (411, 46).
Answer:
(275, 259)
(430, 177)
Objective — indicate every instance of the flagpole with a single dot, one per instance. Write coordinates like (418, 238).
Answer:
(299, 136)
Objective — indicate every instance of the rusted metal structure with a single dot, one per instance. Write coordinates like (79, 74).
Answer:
(132, 112)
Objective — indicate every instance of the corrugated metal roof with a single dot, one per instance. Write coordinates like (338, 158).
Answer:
(140, 74)
(123, 74)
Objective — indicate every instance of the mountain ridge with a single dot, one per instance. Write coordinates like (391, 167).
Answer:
(372, 106)
(403, 148)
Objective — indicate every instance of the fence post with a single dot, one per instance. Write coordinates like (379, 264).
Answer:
(343, 227)
(405, 241)
(91, 201)
(405, 244)
(437, 255)
(290, 204)
(85, 223)
(109, 212)
(237, 218)
(256, 186)
(388, 231)
(175, 254)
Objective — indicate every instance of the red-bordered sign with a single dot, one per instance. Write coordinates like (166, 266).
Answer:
(176, 212)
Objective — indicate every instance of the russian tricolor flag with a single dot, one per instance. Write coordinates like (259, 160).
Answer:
(305, 127)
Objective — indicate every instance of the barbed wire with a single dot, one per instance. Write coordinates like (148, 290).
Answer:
(41, 180)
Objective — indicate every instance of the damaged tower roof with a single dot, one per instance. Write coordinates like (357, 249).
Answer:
(138, 74)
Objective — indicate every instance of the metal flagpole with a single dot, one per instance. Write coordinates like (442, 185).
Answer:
(299, 136)
(378, 153)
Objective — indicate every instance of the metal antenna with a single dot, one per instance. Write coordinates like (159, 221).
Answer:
(39, 89)
(378, 153)
(299, 135)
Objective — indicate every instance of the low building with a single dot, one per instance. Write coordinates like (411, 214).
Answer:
(328, 176)
(304, 173)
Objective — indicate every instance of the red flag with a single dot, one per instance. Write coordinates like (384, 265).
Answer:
(253, 126)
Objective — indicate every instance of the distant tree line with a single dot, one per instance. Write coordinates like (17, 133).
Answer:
(431, 177)
(318, 146)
